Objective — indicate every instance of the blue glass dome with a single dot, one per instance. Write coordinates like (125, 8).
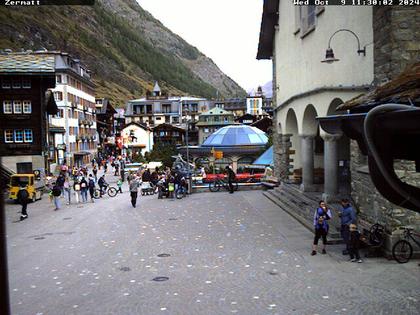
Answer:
(236, 135)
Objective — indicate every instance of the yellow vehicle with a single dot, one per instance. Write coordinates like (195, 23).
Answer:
(34, 185)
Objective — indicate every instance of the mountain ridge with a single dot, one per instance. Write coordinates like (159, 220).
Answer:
(126, 48)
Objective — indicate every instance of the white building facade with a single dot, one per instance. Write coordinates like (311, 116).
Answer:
(75, 98)
(296, 38)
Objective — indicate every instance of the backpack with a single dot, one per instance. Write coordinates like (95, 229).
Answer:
(91, 183)
(56, 191)
(22, 195)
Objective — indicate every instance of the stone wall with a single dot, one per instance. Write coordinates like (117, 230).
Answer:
(396, 40)
(281, 156)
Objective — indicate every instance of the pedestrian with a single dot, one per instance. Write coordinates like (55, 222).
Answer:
(102, 184)
(84, 189)
(348, 216)
(321, 217)
(95, 172)
(67, 190)
(105, 164)
(134, 188)
(231, 176)
(122, 173)
(76, 187)
(119, 185)
(91, 186)
(354, 244)
(23, 199)
(56, 192)
(60, 183)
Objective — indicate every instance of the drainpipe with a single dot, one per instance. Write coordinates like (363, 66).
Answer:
(369, 130)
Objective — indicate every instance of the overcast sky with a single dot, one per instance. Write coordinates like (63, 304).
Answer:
(227, 31)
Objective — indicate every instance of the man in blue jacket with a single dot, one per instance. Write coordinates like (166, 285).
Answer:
(348, 216)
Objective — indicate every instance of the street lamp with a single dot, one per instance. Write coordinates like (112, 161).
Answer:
(329, 54)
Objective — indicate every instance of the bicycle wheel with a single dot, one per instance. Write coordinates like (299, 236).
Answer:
(214, 186)
(402, 251)
(97, 194)
(180, 193)
(112, 191)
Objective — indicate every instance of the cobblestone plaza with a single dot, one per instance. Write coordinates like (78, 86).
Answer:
(225, 254)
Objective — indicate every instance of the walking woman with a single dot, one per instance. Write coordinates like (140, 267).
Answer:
(321, 217)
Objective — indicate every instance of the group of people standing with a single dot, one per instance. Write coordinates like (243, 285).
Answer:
(349, 231)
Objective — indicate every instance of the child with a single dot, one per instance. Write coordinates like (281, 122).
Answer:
(119, 184)
(354, 244)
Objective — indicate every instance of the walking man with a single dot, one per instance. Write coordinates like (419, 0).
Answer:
(23, 199)
(134, 187)
(348, 216)
(91, 185)
(56, 192)
(230, 177)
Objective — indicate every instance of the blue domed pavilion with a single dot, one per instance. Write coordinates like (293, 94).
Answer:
(240, 144)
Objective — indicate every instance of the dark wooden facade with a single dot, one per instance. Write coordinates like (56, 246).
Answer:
(32, 89)
(168, 134)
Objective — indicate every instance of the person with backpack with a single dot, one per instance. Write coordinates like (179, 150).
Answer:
(60, 183)
(77, 188)
(321, 217)
(91, 186)
(56, 193)
(84, 189)
(23, 199)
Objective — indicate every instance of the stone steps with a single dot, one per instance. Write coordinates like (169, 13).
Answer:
(301, 206)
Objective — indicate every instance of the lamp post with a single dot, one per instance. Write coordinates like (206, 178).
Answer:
(188, 151)
(329, 54)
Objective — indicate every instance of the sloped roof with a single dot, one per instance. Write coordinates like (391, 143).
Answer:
(27, 63)
(266, 158)
(405, 89)
(216, 111)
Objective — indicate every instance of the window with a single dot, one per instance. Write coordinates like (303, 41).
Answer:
(28, 135)
(206, 130)
(58, 78)
(27, 107)
(16, 84)
(7, 107)
(306, 15)
(18, 135)
(5, 84)
(17, 107)
(158, 118)
(26, 83)
(162, 133)
(8, 136)
(58, 96)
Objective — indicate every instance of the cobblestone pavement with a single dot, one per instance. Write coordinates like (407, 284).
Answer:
(228, 254)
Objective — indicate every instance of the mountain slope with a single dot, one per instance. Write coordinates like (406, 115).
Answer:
(124, 46)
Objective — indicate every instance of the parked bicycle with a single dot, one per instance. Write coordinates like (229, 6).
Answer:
(218, 183)
(403, 250)
(111, 191)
